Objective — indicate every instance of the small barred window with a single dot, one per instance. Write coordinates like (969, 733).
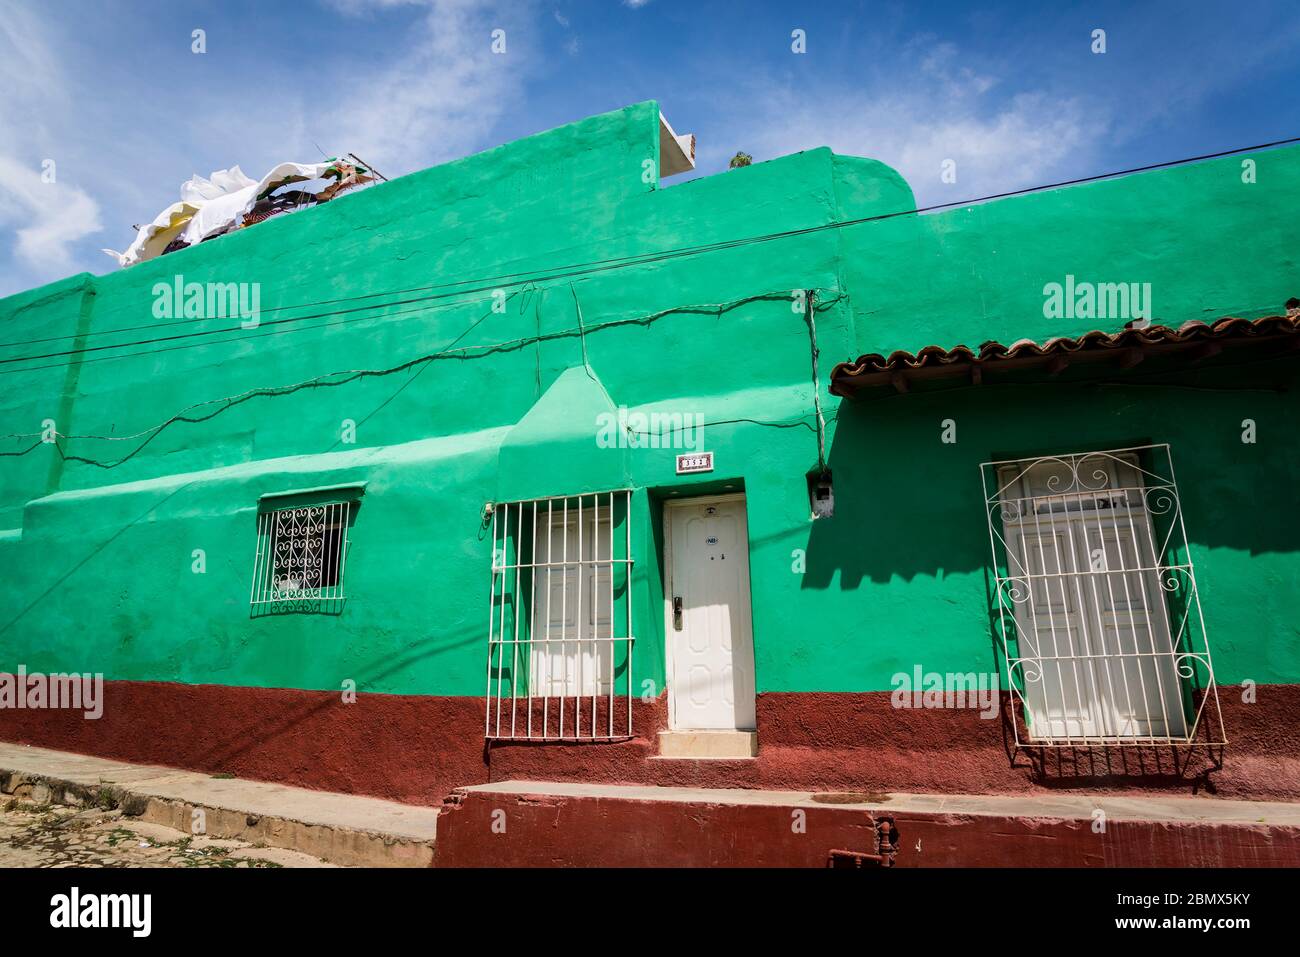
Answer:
(301, 555)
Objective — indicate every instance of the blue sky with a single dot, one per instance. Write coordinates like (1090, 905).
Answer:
(113, 93)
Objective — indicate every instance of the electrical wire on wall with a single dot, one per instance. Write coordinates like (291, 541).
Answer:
(809, 311)
(468, 352)
(582, 335)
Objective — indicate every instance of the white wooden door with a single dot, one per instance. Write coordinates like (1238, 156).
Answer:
(710, 637)
(1094, 625)
(571, 648)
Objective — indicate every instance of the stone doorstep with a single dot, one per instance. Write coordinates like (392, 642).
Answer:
(340, 828)
(708, 745)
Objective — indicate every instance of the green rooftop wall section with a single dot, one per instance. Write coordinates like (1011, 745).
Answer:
(471, 321)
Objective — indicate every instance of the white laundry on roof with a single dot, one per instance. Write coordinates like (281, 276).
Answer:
(211, 206)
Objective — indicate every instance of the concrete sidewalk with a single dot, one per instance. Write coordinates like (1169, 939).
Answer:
(570, 824)
(1115, 807)
(339, 828)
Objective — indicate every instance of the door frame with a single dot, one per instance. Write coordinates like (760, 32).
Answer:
(669, 506)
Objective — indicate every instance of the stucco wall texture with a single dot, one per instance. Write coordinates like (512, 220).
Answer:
(377, 309)
(418, 748)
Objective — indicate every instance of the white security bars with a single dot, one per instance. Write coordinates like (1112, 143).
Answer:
(560, 619)
(1096, 600)
(300, 558)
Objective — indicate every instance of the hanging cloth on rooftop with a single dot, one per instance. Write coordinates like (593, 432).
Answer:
(210, 206)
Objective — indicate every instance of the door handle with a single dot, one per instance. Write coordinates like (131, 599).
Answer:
(677, 612)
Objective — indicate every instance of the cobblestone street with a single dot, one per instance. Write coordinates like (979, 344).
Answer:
(34, 835)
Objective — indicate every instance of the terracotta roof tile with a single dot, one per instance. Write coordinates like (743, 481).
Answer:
(935, 361)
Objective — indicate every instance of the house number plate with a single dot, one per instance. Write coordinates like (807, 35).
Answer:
(694, 462)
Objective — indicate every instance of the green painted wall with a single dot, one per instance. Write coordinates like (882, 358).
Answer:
(96, 550)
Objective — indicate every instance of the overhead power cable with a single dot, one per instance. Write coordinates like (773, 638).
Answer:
(213, 332)
(506, 280)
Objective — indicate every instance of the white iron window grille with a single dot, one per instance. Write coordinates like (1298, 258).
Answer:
(300, 557)
(560, 619)
(1096, 602)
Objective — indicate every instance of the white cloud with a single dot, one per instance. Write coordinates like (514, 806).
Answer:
(47, 218)
(942, 62)
(635, 4)
(441, 95)
(916, 123)
(361, 8)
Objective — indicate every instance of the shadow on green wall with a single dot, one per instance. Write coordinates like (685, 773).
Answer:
(908, 504)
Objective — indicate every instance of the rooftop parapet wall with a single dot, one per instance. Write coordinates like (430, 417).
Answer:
(1203, 241)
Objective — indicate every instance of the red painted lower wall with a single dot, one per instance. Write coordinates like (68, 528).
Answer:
(859, 741)
(418, 748)
(520, 830)
(493, 830)
(405, 748)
